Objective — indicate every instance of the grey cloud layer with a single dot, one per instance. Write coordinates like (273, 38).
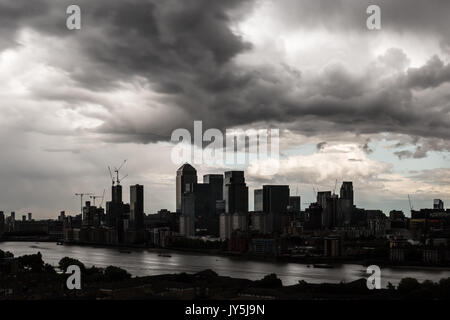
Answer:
(185, 50)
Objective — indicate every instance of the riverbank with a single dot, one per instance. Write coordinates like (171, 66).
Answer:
(30, 278)
(336, 261)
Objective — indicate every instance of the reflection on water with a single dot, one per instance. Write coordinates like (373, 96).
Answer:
(144, 263)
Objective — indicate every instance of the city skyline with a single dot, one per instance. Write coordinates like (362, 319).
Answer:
(345, 189)
(352, 104)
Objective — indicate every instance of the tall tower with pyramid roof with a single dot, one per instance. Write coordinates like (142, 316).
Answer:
(186, 175)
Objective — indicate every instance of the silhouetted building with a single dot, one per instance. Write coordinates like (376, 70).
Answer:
(294, 204)
(258, 200)
(187, 218)
(235, 192)
(92, 216)
(2, 223)
(438, 204)
(275, 205)
(186, 175)
(137, 207)
(29, 216)
(332, 247)
(347, 191)
(322, 197)
(116, 194)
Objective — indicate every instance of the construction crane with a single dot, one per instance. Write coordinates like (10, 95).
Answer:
(116, 179)
(111, 175)
(335, 185)
(116, 170)
(81, 195)
(103, 198)
(96, 197)
(410, 205)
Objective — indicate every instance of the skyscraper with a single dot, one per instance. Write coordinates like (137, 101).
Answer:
(186, 174)
(137, 207)
(347, 191)
(275, 205)
(235, 192)
(2, 223)
(258, 200)
(116, 194)
(294, 203)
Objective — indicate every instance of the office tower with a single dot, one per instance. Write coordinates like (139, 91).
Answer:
(322, 197)
(215, 182)
(187, 218)
(225, 226)
(294, 203)
(24, 218)
(88, 215)
(275, 198)
(2, 223)
(438, 204)
(275, 206)
(220, 207)
(137, 207)
(235, 192)
(258, 200)
(216, 185)
(330, 212)
(13, 216)
(29, 216)
(204, 205)
(116, 194)
(186, 175)
(347, 191)
(62, 215)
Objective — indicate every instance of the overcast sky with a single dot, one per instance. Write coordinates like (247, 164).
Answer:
(351, 104)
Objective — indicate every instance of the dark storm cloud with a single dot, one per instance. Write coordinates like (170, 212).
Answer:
(431, 75)
(401, 16)
(185, 50)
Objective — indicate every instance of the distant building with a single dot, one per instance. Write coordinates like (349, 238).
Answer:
(332, 247)
(186, 175)
(258, 200)
(2, 223)
(137, 207)
(347, 191)
(235, 192)
(226, 226)
(187, 218)
(215, 182)
(438, 204)
(29, 216)
(294, 203)
(275, 205)
(240, 221)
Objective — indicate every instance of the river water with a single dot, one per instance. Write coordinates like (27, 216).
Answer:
(141, 262)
